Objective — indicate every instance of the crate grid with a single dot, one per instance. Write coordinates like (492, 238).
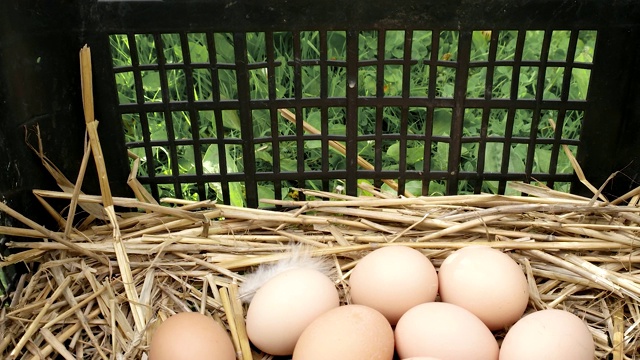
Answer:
(371, 81)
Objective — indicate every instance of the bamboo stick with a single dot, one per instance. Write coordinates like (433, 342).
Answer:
(340, 148)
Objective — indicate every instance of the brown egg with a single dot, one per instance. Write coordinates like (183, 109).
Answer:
(487, 282)
(548, 334)
(353, 332)
(191, 336)
(444, 331)
(392, 280)
(283, 307)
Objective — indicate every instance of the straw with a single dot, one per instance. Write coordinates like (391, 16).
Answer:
(76, 190)
(105, 190)
(47, 233)
(34, 325)
(571, 255)
(98, 289)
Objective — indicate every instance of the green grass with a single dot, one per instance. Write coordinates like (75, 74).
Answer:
(503, 81)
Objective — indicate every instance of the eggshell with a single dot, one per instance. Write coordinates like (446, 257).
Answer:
(548, 334)
(444, 331)
(283, 307)
(191, 336)
(392, 280)
(487, 282)
(353, 332)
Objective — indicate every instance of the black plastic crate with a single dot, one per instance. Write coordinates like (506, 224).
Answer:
(39, 46)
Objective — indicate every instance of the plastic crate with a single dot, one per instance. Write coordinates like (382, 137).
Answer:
(39, 43)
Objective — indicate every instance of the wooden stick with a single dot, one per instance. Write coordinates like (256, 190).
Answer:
(340, 148)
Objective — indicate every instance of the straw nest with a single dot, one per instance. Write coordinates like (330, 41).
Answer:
(578, 254)
(99, 285)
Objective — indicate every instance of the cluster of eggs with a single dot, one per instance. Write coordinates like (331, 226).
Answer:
(394, 309)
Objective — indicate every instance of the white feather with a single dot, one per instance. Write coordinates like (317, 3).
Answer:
(299, 257)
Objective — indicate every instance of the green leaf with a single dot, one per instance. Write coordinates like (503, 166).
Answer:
(265, 156)
(364, 192)
(230, 119)
(440, 158)
(314, 119)
(265, 192)
(337, 129)
(479, 41)
(151, 81)
(235, 194)
(517, 158)
(159, 134)
(186, 161)
(493, 157)
(288, 165)
(313, 144)
(581, 77)
(232, 166)
(394, 152)
(388, 190)
(436, 188)
(224, 48)
(199, 53)
(414, 187)
(415, 154)
(210, 160)
(441, 122)
(542, 161)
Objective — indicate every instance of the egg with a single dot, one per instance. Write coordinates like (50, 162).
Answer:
(444, 331)
(487, 282)
(191, 336)
(353, 332)
(548, 334)
(392, 280)
(285, 305)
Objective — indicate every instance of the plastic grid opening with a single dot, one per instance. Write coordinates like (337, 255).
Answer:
(438, 111)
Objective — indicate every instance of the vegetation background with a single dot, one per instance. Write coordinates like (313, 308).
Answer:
(204, 90)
